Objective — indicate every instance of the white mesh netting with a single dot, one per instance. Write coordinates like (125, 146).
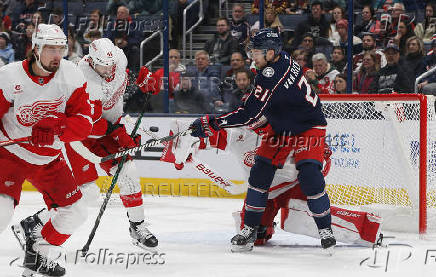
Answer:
(376, 159)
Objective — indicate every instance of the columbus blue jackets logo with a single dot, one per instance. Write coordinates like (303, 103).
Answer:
(268, 72)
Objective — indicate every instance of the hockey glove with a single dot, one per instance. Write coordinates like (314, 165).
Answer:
(145, 81)
(119, 134)
(205, 126)
(45, 130)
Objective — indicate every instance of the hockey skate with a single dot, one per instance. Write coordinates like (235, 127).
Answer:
(328, 241)
(142, 237)
(26, 228)
(244, 241)
(42, 258)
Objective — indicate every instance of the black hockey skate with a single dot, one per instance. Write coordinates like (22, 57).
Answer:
(244, 241)
(26, 228)
(142, 237)
(37, 262)
(328, 241)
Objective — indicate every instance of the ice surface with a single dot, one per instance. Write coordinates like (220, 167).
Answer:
(194, 235)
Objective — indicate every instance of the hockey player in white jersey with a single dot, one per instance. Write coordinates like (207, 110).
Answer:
(285, 194)
(105, 71)
(43, 98)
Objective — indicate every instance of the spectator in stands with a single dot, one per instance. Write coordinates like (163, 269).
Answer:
(301, 58)
(338, 14)
(237, 63)
(5, 20)
(404, 32)
(222, 45)
(322, 75)
(188, 99)
(93, 23)
(240, 29)
(340, 84)
(342, 28)
(308, 46)
(113, 5)
(126, 35)
(414, 58)
(428, 84)
(297, 6)
(207, 78)
(426, 29)
(23, 43)
(20, 10)
(368, 44)
(56, 17)
(176, 14)
(175, 69)
(7, 53)
(75, 53)
(37, 18)
(279, 6)
(369, 23)
(316, 24)
(385, 4)
(145, 7)
(234, 98)
(398, 15)
(394, 77)
(366, 79)
(338, 60)
(272, 20)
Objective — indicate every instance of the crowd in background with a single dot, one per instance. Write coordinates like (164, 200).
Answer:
(394, 42)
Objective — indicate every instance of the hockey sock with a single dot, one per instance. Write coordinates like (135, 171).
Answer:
(261, 176)
(7, 204)
(313, 185)
(136, 214)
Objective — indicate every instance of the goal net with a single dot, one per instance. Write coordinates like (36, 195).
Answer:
(384, 157)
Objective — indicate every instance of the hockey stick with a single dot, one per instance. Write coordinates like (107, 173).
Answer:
(15, 141)
(85, 248)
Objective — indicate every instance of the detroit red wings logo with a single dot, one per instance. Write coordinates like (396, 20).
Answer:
(30, 114)
(117, 94)
(249, 158)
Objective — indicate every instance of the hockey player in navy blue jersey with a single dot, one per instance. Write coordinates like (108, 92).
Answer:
(282, 100)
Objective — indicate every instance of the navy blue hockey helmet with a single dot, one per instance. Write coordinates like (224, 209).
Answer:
(267, 39)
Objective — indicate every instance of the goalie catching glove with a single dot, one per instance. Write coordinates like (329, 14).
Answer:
(204, 126)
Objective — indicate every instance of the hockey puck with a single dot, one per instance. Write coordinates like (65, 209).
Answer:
(154, 129)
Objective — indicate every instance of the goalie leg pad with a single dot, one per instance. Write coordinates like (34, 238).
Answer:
(261, 176)
(313, 185)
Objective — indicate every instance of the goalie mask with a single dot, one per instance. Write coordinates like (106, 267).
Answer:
(101, 57)
(48, 35)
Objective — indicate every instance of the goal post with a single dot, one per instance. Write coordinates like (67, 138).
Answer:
(384, 157)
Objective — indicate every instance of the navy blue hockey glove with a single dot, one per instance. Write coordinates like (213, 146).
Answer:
(205, 126)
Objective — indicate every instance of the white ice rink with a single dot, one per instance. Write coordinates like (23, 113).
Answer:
(194, 235)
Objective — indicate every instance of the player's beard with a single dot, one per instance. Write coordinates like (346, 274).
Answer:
(52, 67)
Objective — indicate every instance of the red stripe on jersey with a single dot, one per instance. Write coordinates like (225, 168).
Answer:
(4, 104)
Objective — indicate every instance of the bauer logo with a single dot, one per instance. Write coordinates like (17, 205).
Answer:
(214, 176)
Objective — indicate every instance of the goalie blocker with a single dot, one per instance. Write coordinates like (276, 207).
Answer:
(285, 195)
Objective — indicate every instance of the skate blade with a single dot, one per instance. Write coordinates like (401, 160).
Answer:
(153, 250)
(241, 248)
(19, 235)
(329, 251)
(28, 273)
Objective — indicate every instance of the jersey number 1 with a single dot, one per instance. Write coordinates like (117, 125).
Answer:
(309, 97)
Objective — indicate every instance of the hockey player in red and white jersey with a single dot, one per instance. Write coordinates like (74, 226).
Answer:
(284, 194)
(105, 72)
(43, 98)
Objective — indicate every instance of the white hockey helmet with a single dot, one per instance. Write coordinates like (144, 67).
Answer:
(46, 34)
(101, 52)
